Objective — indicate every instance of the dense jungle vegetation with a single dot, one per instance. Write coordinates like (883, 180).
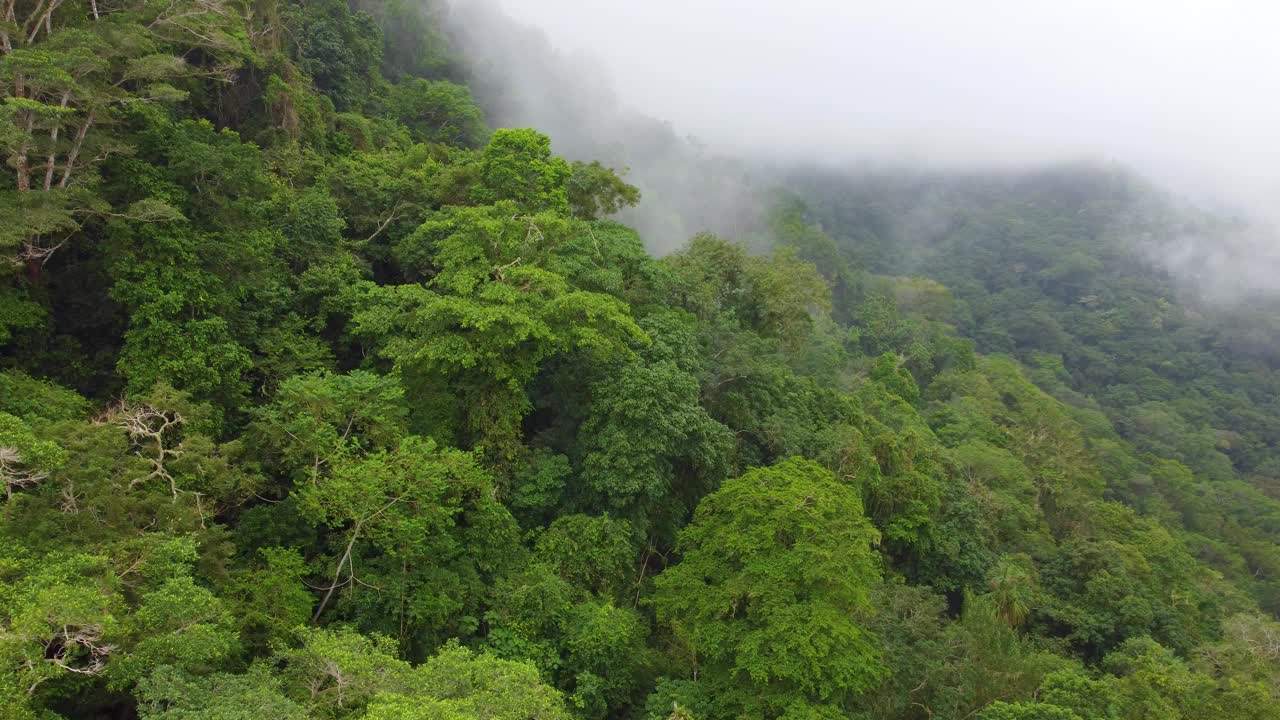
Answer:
(320, 398)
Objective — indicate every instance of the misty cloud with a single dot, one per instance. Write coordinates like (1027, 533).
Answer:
(523, 80)
(1167, 86)
(1183, 92)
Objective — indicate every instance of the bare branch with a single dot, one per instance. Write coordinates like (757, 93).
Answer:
(53, 145)
(346, 560)
(149, 428)
(78, 649)
(75, 149)
(395, 215)
(13, 473)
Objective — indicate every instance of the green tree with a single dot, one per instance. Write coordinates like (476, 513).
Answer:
(340, 49)
(1012, 585)
(457, 683)
(271, 599)
(649, 448)
(316, 421)
(518, 166)
(438, 111)
(421, 533)
(776, 569)
(776, 295)
(25, 460)
(984, 661)
(336, 672)
(169, 694)
(67, 74)
(178, 625)
(1026, 711)
(60, 621)
(596, 191)
(595, 555)
(490, 317)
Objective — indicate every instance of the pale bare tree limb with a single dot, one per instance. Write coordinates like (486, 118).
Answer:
(53, 145)
(75, 149)
(346, 559)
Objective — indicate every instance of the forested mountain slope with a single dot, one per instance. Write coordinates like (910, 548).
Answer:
(320, 398)
(1069, 270)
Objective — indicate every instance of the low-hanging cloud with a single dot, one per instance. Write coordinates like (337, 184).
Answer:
(1181, 91)
(522, 79)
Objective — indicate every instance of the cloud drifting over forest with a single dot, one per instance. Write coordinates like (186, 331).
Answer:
(1180, 91)
(1183, 91)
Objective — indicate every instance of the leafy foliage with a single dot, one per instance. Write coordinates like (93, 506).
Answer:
(777, 566)
(320, 398)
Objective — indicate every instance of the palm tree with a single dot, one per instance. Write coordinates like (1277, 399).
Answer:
(1012, 585)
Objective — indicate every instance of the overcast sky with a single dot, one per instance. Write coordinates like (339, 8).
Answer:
(1188, 92)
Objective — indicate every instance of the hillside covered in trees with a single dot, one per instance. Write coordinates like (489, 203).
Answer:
(322, 398)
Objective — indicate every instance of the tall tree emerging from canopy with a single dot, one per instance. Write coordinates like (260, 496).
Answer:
(518, 165)
(491, 307)
(778, 565)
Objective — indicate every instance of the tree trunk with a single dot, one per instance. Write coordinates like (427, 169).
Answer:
(22, 165)
(75, 150)
(53, 147)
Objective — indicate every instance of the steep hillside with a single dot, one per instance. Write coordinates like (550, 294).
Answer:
(321, 398)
